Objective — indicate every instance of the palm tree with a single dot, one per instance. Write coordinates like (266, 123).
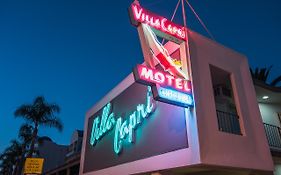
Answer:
(25, 135)
(39, 113)
(10, 158)
(262, 74)
(6, 164)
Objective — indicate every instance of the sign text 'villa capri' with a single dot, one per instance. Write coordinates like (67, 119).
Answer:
(141, 15)
(133, 126)
(124, 129)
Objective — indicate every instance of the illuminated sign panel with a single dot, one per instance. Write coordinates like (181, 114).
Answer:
(141, 15)
(173, 85)
(151, 76)
(172, 96)
(168, 89)
(124, 129)
(128, 128)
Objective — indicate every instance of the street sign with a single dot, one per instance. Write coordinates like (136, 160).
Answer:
(33, 166)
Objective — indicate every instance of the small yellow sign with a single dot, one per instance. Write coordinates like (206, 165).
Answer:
(33, 166)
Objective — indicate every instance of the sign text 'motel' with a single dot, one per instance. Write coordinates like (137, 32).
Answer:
(169, 89)
(151, 76)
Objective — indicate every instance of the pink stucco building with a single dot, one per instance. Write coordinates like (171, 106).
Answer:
(152, 123)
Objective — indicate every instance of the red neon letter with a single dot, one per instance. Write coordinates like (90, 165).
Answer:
(187, 86)
(179, 83)
(137, 12)
(159, 77)
(170, 79)
(146, 73)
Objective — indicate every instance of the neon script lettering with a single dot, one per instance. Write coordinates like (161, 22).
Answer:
(103, 125)
(164, 79)
(124, 129)
(143, 16)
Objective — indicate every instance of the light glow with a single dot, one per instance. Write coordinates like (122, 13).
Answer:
(265, 97)
(160, 23)
(149, 75)
(103, 125)
(175, 96)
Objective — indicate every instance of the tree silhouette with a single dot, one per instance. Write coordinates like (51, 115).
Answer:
(10, 158)
(25, 135)
(262, 74)
(39, 113)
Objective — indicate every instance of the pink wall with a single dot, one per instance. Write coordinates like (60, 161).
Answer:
(219, 148)
(207, 145)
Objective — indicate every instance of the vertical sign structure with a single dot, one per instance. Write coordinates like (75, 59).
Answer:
(164, 68)
(147, 118)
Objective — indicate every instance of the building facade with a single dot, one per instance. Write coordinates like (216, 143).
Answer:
(69, 159)
(190, 108)
(52, 153)
(269, 101)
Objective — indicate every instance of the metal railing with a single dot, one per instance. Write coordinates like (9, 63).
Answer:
(228, 122)
(273, 134)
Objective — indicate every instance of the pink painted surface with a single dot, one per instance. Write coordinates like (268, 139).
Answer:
(207, 145)
(217, 148)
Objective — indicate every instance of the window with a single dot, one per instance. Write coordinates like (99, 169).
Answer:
(228, 119)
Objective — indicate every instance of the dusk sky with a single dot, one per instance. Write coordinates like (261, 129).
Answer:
(75, 51)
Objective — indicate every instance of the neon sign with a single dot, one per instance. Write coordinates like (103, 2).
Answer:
(151, 76)
(124, 129)
(174, 97)
(140, 15)
(161, 54)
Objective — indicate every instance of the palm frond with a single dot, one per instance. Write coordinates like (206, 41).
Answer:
(267, 72)
(256, 72)
(261, 73)
(54, 123)
(276, 81)
(25, 133)
(39, 100)
(54, 108)
(23, 111)
(252, 72)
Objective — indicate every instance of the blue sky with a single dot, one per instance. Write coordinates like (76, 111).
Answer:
(74, 52)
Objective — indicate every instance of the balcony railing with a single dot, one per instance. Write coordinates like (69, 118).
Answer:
(273, 134)
(228, 122)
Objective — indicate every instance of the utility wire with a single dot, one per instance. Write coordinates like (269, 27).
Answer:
(153, 3)
(175, 11)
(199, 19)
